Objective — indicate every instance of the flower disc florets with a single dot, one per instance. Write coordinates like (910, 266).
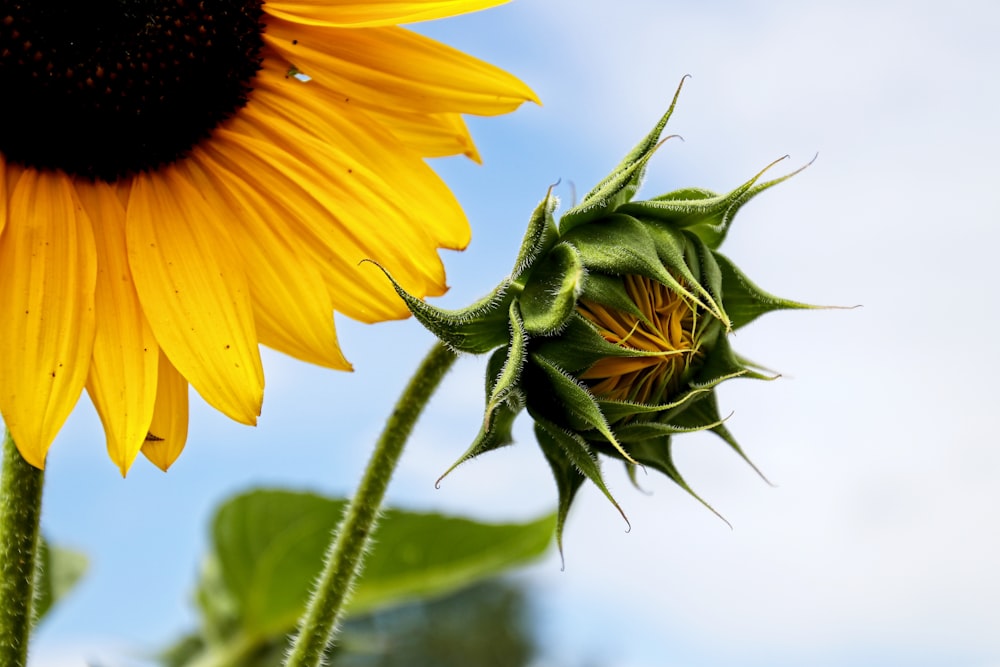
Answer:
(612, 329)
(665, 327)
(108, 89)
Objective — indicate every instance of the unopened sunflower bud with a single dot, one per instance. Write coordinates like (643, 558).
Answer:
(612, 330)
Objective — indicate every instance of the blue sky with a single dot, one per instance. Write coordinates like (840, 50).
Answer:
(878, 545)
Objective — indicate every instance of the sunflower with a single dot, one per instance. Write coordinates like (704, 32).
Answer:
(183, 180)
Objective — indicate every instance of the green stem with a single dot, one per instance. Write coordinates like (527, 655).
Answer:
(318, 626)
(20, 511)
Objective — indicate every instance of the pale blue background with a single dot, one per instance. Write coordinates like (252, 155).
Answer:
(879, 545)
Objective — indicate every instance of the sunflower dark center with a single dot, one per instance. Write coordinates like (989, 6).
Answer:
(107, 88)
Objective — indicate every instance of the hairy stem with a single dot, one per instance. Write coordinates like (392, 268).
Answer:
(20, 511)
(345, 555)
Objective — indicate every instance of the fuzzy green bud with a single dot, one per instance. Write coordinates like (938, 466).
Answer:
(613, 329)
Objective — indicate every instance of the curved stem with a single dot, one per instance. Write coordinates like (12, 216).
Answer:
(318, 626)
(20, 511)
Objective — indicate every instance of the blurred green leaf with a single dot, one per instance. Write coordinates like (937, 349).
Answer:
(61, 570)
(269, 548)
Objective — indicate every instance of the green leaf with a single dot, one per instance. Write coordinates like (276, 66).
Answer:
(426, 555)
(270, 546)
(61, 570)
(549, 297)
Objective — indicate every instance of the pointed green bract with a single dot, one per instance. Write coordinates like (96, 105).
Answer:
(657, 454)
(706, 411)
(706, 214)
(744, 300)
(504, 398)
(621, 244)
(507, 381)
(539, 237)
(568, 478)
(578, 401)
(549, 298)
(621, 184)
(579, 346)
(477, 329)
(574, 451)
(613, 330)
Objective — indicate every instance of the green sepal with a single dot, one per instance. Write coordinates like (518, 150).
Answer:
(549, 297)
(504, 398)
(705, 213)
(609, 291)
(578, 400)
(568, 478)
(750, 370)
(656, 454)
(744, 301)
(621, 244)
(721, 364)
(476, 329)
(639, 431)
(704, 413)
(567, 452)
(579, 346)
(761, 372)
(616, 410)
(621, 185)
(538, 238)
(676, 252)
(710, 273)
(510, 372)
(497, 425)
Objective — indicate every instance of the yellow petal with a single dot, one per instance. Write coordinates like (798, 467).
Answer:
(366, 13)
(193, 288)
(169, 428)
(46, 309)
(122, 380)
(281, 198)
(333, 198)
(429, 134)
(292, 308)
(394, 68)
(287, 110)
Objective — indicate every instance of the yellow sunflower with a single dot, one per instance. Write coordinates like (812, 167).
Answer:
(183, 180)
